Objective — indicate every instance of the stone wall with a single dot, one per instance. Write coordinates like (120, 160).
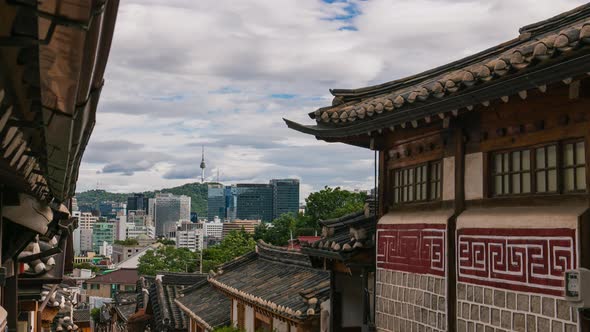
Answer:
(489, 309)
(410, 302)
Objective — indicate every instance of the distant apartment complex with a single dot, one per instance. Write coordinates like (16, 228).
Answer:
(139, 223)
(253, 201)
(190, 235)
(102, 231)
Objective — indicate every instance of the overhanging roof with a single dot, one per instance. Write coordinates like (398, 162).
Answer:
(546, 52)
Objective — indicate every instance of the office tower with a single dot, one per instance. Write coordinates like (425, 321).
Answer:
(190, 235)
(137, 202)
(102, 231)
(168, 211)
(285, 196)
(213, 229)
(121, 228)
(253, 201)
(139, 223)
(215, 201)
(110, 210)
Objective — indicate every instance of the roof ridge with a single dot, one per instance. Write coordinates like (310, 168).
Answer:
(553, 22)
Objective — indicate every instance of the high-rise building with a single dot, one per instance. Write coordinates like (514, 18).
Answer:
(216, 205)
(110, 210)
(285, 196)
(120, 228)
(85, 219)
(102, 231)
(168, 211)
(139, 223)
(85, 240)
(137, 202)
(253, 201)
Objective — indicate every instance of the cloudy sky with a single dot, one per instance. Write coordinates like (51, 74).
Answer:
(223, 74)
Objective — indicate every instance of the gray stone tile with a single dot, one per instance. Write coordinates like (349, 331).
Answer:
(474, 312)
(461, 291)
(427, 300)
(519, 322)
(506, 319)
(461, 326)
(470, 327)
(488, 296)
(571, 328)
(496, 317)
(563, 310)
(479, 327)
(478, 294)
(548, 306)
(489, 329)
(442, 303)
(484, 314)
(543, 324)
(466, 310)
(469, 293)
(499, 298)
(434, 302)
(522, 302)
(574, 315)
(424, 283)
(531, 323)
(535, 304)
(556, 326)
(510, 300)
(430, 284)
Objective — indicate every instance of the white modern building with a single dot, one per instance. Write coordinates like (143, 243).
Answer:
(190, 235)
(213, 229)
(85, 240)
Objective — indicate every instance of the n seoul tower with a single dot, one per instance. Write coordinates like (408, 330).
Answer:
(203, 166)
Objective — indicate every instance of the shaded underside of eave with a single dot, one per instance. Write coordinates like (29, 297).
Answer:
(530, 78)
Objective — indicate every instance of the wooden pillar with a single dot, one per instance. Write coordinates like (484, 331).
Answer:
(459, 206)
(11, 302)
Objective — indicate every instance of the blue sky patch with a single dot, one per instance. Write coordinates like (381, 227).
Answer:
(282, 96)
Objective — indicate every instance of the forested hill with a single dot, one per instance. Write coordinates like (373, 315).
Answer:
(197, 192)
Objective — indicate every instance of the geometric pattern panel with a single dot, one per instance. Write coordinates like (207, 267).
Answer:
(417, 248)
(528, 260)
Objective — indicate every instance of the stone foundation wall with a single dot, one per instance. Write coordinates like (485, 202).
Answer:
(489, 309)
(410, 302)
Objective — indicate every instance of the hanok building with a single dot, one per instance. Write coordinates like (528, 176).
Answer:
(273, 289)
(205, 307)
(53, 56)
(483, 182)
(164, 314)
(347, 249)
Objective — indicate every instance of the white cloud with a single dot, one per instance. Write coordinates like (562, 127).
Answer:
(224, 73)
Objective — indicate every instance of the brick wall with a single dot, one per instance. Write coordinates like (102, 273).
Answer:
(410, 302)
(489, 309)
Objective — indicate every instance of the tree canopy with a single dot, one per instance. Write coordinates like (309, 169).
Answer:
(325, 204)
(236, 243)
(168, 259)
(127, 242)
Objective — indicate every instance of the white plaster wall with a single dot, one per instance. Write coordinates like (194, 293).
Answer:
(280, 326)
(448, 184)
(474, 176)
(249, 319)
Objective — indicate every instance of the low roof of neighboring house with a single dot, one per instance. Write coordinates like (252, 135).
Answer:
(343, 237)
(81, 316)
(121, 276)
(275, 278)
(162, 292)
(207, 305)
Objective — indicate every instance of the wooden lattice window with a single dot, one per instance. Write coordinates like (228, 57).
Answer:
(417, 183)
(574, 167)
(551, 168)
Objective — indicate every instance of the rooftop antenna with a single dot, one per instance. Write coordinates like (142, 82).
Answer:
(203, 166)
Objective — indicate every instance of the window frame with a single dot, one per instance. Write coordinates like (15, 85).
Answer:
(434, 187)
(533, 169)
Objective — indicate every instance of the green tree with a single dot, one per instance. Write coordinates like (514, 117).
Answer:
(331, 203)
(166, 242)
(236, 243)
(280, 230)
(127, 242)
(88, 266)
(95, 314)
(168, 259)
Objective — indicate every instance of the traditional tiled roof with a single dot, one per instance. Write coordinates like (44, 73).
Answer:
(122, 276)
(274, 278)
(342, 237)
(555, 49)
(164, 290)
(81, 316)
(205, 304)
